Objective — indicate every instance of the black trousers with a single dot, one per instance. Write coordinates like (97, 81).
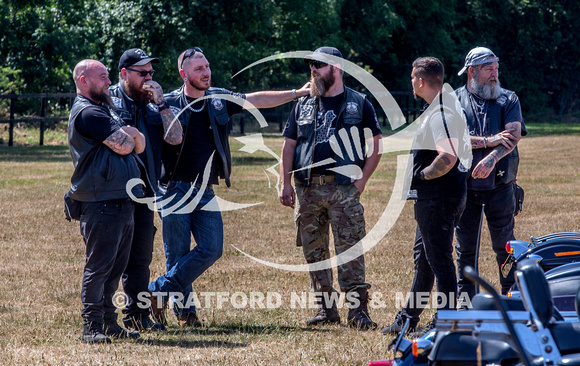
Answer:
(499, 213)
(433, 253)
(107, 229)
(136, 275)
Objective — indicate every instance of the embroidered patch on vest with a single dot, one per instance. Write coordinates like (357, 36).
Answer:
(217, 104)
(117, 102)
(351, 108)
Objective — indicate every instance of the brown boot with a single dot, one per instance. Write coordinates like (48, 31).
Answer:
(158, 312)
(326, 314)
(358, 316)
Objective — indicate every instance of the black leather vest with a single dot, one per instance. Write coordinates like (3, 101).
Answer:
(350, 115)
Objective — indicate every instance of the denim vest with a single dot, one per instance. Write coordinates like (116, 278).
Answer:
(507, 167)
(100, 174)
(147, 120)
(350, 115)
(219, 118)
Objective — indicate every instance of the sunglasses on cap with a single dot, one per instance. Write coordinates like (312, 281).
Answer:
(142, 73)
(317, 64)
(190, 52)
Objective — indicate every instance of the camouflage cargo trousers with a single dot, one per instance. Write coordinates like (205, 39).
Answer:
(337, 205)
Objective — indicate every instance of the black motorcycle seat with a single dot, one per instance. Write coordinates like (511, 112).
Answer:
(484, 301)
(567, 336)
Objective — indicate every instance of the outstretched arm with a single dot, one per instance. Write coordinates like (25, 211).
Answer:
(270, 99)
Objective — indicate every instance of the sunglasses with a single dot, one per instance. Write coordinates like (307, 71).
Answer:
(317, 64)
(190, 52)
(142, 73)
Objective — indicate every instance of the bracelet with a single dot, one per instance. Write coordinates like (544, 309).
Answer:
(163, 106)
(484, 143)
(422, 175)
(294, 95)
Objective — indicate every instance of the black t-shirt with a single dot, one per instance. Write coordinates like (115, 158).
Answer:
(434, 127)
(326, 119)
(96, 124)
(199, 144)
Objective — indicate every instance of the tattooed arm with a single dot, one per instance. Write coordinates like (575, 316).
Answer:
(486, 165)
(444, 161)
(125, 140)
(171, 126)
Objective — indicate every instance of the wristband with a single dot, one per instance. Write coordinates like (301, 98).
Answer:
(294, 95)
(421, 175)
(162, 106)
(484, 143)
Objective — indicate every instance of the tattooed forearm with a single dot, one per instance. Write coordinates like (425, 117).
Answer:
(477, 142)
(499, 152)
(171, 127)
(440, 166)
(120, 142)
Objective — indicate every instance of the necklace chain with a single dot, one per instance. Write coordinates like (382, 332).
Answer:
(197, 110)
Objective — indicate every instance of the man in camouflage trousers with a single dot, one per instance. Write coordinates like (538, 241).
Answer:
(325, 149)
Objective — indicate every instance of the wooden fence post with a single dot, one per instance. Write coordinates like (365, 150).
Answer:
(11, 127)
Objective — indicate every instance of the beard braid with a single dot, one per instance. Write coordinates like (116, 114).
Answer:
(485, 91)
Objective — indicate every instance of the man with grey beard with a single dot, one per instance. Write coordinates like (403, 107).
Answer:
(324, 148)
(495, 123)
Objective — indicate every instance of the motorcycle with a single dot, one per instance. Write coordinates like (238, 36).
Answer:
(525, 330)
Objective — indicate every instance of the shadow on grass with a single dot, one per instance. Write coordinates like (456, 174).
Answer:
(178, 337)
(59, 153)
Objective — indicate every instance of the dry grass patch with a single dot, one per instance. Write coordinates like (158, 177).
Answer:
(42, 258)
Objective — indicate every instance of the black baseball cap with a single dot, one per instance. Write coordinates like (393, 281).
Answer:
(319, 53)
(135, 56)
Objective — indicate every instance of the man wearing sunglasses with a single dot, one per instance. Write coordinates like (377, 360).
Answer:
(324, 147)
(139, 102)
(206, 125)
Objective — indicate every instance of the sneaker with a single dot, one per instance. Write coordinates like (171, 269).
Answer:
(325, 316)
(397, 326)
(93, 333)
(142, 323)
(113, 329)
(188, 320)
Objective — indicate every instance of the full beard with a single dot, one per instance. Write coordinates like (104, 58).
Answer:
(136, 92)
(485, 91)
(100, 97)
(319, 85)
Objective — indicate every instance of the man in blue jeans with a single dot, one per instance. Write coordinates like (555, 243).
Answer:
(190, 170)
(441, 158)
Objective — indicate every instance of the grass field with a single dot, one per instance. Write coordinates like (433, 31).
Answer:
(42, 257)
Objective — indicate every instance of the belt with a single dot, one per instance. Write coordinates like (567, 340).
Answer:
(318, 179)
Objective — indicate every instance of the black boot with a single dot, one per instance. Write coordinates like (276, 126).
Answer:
(397, 326)
(93, 333)
(113, 329)
(358, 316)
(326, 314)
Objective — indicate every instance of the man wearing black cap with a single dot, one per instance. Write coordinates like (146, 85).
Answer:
(190, 170)
(324, 147)
(139, 102)
(495, 123)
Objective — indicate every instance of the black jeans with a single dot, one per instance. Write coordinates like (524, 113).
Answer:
(436, 220)
(107, 229)
(499, 213)
(136, 275)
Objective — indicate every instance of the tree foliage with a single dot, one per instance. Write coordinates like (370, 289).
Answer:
(42, 40)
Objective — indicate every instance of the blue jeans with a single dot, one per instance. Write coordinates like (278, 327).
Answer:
(433, 252)
(185, 265)
(499, 213)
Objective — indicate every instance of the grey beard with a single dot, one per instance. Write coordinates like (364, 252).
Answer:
(484, 91)
(317, 87)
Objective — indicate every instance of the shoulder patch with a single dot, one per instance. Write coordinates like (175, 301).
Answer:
(117, 102)
(175, 110)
